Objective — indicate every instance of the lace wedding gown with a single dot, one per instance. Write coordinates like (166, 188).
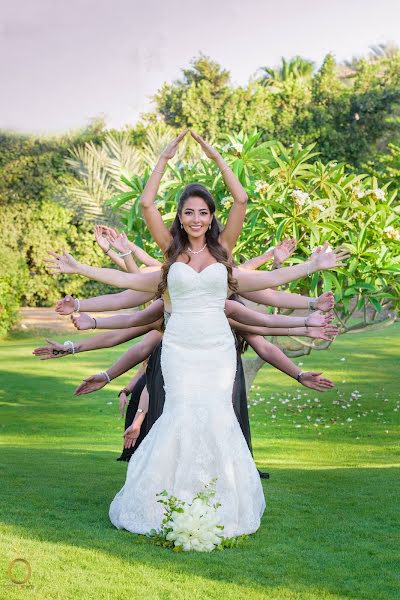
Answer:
(197, 438)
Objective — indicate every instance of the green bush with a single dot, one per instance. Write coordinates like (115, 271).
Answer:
(13, 279)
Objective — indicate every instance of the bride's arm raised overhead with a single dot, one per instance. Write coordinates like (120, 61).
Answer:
(151, 214)
(142, 282)
(231, 232)
(249, 281)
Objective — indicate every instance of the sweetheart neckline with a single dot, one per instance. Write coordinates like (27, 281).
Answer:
(194, 270)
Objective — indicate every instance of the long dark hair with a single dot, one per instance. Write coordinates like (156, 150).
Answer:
(180, 241)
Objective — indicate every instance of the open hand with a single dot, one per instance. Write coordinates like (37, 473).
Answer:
(326, 301)
(170, 150)
(318, 319)
(91, 384)
(327, 332)
(208, 150)
(329, 259)
(62, 263)
(100, 235)
(131, 435)
(118, 240)
(53, 350)
(66, 306)
(316, 382)
(83, 321)
(283, 250)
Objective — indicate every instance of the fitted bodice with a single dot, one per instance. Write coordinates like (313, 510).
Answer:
(191, 291)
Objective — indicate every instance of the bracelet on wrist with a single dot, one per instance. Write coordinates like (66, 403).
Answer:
(77, 306)
(107, 251)
(69, 346)
(298, 376)
(124, 391)
(95, 323)
(125, 254)
(106, 376)
(312, 304)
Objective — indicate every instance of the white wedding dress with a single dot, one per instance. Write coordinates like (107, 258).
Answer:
(197, 438)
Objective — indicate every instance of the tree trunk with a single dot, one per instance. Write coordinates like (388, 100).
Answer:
(251, 366)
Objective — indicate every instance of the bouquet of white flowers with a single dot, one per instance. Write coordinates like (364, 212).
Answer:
(192, 526)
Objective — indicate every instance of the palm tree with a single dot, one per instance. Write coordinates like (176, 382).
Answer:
(294, 68)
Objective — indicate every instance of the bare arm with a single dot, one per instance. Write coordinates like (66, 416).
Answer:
(274, 356)
(149, 316)
(125, 299)
(143, 256)
(278, 254)
(251, 281)
(132, 357)
(325, 332)
(104, 340)
(229, 236)
(279, 299)
(238, 312)
(151, 214)
(142, 282)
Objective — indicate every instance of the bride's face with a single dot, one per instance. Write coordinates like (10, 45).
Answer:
(195, 217)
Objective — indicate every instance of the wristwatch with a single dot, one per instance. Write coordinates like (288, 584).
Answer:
(312, 304)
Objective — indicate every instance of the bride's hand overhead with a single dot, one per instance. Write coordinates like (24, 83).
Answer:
(170, 150)
(208, 150)
(62, 263)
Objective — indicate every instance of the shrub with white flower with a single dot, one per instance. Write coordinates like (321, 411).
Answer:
(391, 233)
(299, 197)
(193, 526)
(261, 187)
(376, 193)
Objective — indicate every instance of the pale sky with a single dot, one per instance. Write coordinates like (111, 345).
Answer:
(63, 62)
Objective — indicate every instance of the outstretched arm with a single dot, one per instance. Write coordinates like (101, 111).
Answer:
(324, 302)
(251, 281)
(131, 358)
(324, 332)
(142, 282)
(150, 315)
(151, 214)
(125, 299)
(274, 356)
(278, 254)
(230, 234)
(238, 312)
(104, 340)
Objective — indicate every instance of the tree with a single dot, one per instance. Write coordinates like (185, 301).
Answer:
(293, 193)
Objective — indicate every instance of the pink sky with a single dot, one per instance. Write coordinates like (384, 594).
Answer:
(65, 61)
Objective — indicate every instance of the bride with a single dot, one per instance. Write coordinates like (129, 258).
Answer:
(198, 437)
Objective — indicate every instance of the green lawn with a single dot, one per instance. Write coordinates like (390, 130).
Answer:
(329, 530)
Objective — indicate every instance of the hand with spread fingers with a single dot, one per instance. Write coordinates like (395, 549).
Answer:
(329, 259)
(326, 301)
(53, 350)
(318, 319)
(314, 381)
(283, 250)
(326, 332)
(119, 241)
(62, 263)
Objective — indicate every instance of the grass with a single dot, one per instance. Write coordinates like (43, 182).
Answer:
(329, 530)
